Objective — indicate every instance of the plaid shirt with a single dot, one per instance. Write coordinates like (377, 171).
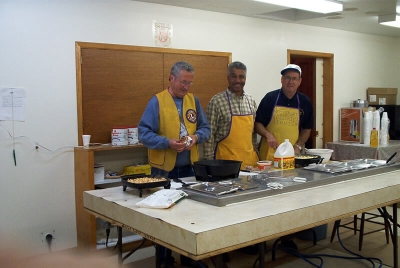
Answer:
(219, 117)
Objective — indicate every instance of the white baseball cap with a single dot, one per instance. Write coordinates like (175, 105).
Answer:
(293, 67)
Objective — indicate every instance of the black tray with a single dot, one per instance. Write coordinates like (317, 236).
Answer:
(140, 186)
(311, 159)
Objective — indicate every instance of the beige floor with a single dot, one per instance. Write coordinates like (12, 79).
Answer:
(374, 246)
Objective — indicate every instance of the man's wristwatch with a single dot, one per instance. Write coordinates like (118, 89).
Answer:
(298, 146)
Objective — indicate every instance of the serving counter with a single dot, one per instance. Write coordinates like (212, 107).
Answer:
(199, 230)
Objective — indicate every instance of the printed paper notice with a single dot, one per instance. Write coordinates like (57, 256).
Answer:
(12, 104)
(162, 34)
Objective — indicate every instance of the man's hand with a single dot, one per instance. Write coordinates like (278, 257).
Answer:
(272, 141)
(176, 145)
(296, 149)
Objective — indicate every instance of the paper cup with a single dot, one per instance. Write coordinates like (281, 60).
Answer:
(86, 140)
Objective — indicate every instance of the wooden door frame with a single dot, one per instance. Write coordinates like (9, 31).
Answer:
(327, 124)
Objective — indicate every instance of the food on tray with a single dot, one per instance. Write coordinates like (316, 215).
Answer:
(305, 156)
(146, 180)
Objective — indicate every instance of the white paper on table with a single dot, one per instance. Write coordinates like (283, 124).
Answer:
(12, 105)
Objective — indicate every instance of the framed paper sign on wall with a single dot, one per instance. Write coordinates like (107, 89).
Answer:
(350, 124)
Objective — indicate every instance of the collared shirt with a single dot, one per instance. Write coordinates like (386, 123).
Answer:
(267, 104)
(219, 116)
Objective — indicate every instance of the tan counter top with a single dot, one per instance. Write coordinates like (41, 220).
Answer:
(200, 230)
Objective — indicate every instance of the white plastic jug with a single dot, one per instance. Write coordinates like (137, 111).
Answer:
(284, 156)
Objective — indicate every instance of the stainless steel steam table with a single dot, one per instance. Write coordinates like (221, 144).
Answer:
(201, 230)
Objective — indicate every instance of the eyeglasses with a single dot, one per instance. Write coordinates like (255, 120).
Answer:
(291, 79)
(184, 83)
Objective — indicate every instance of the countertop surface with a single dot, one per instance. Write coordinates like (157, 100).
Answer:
(201, 230)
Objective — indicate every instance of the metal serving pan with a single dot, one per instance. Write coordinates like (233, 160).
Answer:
(328, 169)
(213, 188)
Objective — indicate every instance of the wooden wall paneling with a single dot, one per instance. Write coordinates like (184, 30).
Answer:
(209, 74)
(114, 82)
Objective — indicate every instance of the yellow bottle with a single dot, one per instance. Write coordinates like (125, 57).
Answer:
(374, 140)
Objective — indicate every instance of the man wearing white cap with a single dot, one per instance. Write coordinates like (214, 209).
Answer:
(284, 114)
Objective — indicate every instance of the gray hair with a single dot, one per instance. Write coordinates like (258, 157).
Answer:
(237, 65)
(179, 66)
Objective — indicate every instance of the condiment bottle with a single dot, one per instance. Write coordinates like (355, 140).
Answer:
(374, 140)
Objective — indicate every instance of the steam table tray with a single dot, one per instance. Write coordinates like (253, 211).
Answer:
(342, 167)
(213, 188)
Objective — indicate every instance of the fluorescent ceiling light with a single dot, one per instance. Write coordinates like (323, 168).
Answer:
(390, 20)
(319, 6)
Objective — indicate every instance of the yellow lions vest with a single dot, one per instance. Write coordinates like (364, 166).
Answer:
(170, 128)
(284, 125)
(238, 144)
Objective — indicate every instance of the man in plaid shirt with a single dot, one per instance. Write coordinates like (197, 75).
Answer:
(231, 115)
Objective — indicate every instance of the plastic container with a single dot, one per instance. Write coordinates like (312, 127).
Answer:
(265, 164)
(374, 140)
(119, 136)
(284, 156)
(133, 135)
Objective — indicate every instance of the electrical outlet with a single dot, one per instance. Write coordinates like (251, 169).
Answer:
(44, 233)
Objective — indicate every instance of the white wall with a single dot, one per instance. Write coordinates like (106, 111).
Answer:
(37, 52)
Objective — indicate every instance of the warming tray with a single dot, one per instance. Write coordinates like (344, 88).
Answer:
(288, 181)
(213, 188)
(328, 168)
(342, 167)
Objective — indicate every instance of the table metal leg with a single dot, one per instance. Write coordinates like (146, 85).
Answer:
(395, 244)
(261, 254)
(119, 242)
(158, 262)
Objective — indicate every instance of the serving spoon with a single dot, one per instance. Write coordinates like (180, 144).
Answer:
(391, 157)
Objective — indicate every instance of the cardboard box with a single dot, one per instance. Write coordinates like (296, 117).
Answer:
(129, 170)
(382, 96)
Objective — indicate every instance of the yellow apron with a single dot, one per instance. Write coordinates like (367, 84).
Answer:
(284, 124)
(238, 145)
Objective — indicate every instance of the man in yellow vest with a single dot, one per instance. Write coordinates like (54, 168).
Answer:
(231, 114)
(170, 116)
(284, 114)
